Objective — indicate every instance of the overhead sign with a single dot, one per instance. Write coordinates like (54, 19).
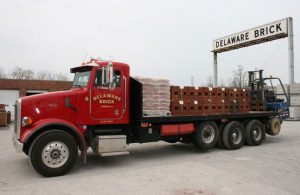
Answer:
(260, 34)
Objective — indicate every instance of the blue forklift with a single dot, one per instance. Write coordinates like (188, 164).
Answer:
(265, 97)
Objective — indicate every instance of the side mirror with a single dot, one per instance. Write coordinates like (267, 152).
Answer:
(108, 76)
(104, 76)
(110, 72)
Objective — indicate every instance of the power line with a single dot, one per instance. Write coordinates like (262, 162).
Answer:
(273, 54)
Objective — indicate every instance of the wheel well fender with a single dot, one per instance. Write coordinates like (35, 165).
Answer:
(57, 126)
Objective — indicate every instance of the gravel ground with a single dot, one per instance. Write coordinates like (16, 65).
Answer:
(161, 168)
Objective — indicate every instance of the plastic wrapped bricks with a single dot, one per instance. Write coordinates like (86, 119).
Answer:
(156, 96)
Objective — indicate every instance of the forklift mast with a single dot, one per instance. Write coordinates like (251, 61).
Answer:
(256, 85)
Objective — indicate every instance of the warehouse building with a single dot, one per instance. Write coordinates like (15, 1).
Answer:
(11, 90)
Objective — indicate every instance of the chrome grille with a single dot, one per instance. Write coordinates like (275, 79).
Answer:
(16, 117)
(17, 122)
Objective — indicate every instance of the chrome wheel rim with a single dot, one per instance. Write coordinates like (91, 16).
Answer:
(257, 133)
(208, 134)
(236, 136)
(55, 154)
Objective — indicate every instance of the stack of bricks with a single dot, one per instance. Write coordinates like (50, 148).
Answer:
(258, 105)
(3, 115)
(187, 101)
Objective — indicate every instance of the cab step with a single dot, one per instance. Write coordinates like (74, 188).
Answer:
(113, 153)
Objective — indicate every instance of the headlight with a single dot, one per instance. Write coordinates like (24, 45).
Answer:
(26, 121)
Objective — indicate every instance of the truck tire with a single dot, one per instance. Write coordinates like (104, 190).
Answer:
(53, 153)
(274, 126)
(206, 135)
(233, 135)
(255, 133)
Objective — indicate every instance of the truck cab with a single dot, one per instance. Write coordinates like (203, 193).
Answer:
(102, 93)
(98, 101)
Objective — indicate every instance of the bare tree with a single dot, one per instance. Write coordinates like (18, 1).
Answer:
(28, 74)
(2, 74)
(61, 77)
(41, 75)
(210, 81)
(17, 73)
(222, 83)
(240, 78)
(45, 75)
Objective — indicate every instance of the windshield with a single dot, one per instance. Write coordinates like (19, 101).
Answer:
(81, 78)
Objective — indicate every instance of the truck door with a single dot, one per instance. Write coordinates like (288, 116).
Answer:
(107, 103)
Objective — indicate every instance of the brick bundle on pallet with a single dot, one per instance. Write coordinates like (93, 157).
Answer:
(208, 101)
(258, 105)
(4, 117)
(156, 96)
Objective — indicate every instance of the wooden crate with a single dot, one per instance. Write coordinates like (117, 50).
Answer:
(3, 118)
(8, 117)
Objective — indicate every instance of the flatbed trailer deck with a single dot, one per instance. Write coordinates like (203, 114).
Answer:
(183, 119)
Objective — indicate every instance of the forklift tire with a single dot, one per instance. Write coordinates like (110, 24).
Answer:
(255, 133)
(233, 135)
(206, 135)
(274, 126)
(53, 153)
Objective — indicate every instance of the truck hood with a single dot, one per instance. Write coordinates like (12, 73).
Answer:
(51, 95)
(50, 105)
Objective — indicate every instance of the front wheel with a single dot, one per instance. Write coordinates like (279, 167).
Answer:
(53, 153)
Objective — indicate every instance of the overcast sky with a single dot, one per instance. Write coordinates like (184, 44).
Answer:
(163, 39)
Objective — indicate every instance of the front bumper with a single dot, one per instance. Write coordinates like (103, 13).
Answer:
(17, 144)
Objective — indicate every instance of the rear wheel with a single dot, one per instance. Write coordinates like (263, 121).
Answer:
(206, 135)
(255, 133)
(233, 135)
(53, 153)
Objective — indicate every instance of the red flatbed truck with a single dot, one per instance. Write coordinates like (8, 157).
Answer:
(103, 110)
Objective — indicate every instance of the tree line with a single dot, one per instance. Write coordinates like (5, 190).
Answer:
(239, 79)
(19, 73)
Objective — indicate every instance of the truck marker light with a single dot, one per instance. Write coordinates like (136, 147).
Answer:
(144, 124)
(26, 121)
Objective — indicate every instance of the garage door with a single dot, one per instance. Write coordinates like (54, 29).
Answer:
(9, 98)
